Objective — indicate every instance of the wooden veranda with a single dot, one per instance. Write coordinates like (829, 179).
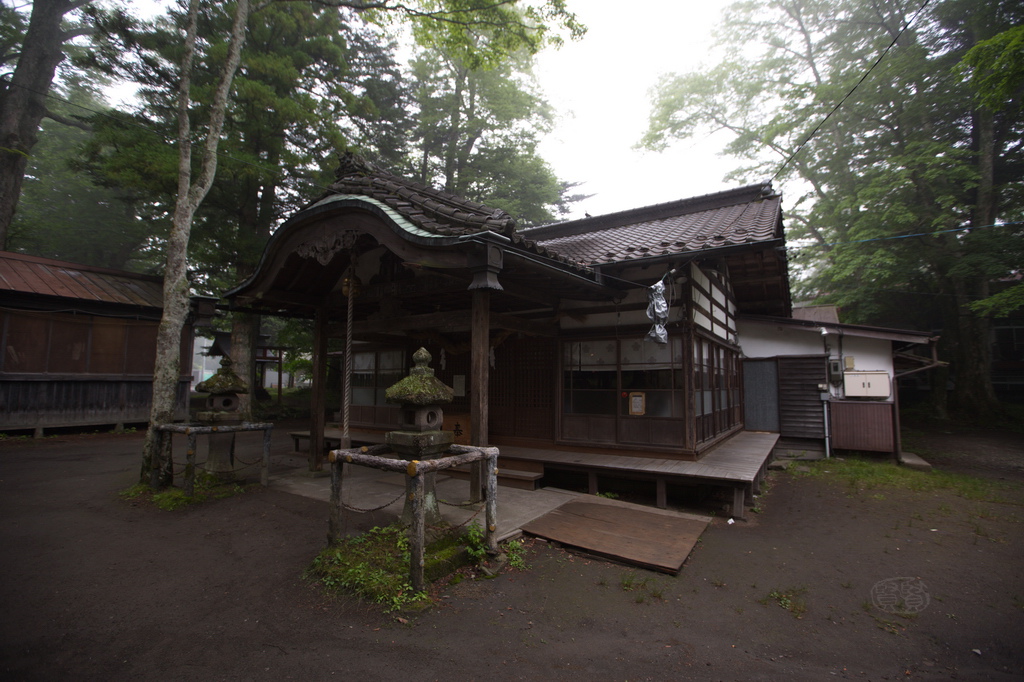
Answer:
(738, 464)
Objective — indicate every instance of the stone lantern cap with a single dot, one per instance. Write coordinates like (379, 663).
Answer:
(225, 381)
(223, 387)
(421, 387)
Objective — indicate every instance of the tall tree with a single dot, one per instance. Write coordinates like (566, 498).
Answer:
(895, 177)
(23, 94)
(192, 189)
(311, 80)
(454, 19)
(63, 212)
(478, 129)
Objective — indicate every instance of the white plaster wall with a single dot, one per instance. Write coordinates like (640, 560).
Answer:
(765, 340)
(867, 354)
(760, 340)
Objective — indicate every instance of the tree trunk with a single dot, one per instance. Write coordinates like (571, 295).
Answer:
(190, 196)
(23, 101)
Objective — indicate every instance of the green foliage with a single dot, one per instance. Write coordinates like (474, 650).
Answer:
(516, 551)
(456, 27)
(1001, 304)
(476, 542)
(880, 198)
(995, 68)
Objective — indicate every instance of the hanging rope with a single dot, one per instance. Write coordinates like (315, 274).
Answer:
(367, 511)
(346, 400)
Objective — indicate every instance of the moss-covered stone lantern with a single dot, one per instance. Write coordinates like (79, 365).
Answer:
(222, 405)
(421, 395)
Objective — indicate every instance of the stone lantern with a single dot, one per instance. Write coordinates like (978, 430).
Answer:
(421, 395)
(222, 404)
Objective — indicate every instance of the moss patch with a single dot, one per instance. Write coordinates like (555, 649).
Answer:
(172, 499)
(375, 566)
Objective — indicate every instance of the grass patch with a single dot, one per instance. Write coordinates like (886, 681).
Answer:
(172, 499)
(791, 600)
(645, 588)
(375, 565)
(867, 474)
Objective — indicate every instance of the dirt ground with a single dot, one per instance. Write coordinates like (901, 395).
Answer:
(92, 587)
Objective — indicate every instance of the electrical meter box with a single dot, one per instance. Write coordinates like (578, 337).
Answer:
(866, 384)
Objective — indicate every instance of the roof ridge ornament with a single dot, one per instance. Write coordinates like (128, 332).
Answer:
(350, 163)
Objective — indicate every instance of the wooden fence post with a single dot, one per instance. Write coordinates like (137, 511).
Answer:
(336, 518)
(265, 471)
(418, 530)
(190, 463)
(492, 501)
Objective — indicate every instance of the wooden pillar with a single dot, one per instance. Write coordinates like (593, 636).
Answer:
(739, 498)
(319, 393)
(479, 384)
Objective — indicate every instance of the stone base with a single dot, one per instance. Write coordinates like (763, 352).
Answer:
(912, 461)
(419, 444)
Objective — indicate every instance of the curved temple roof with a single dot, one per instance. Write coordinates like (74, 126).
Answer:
(558, 260)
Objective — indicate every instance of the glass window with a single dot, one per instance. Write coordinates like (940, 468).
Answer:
(599, 375)
(373, 372)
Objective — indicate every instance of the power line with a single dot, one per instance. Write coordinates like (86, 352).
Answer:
(867, 73)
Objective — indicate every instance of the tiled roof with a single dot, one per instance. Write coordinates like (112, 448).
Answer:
(20, 273)
(742, 216)
(433, 210)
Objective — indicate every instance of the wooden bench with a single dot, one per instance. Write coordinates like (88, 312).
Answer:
(332, 438)
(510, 478)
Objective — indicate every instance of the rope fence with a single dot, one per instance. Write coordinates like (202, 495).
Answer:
(192, 433)
(417, 471)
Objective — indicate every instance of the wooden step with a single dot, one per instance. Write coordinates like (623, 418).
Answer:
(510, 478)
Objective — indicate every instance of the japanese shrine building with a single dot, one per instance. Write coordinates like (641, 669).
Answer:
(543, 332)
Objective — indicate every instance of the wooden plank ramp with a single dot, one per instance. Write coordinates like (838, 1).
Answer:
(629, 533)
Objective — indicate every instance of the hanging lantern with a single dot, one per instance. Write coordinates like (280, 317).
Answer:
(350, 283)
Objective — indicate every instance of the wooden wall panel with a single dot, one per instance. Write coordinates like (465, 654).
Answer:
(862, 426)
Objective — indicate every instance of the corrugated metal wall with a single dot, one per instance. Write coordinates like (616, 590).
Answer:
(801, 414)
(862, 426)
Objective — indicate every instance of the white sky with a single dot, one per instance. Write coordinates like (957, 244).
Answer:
(600, 88)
